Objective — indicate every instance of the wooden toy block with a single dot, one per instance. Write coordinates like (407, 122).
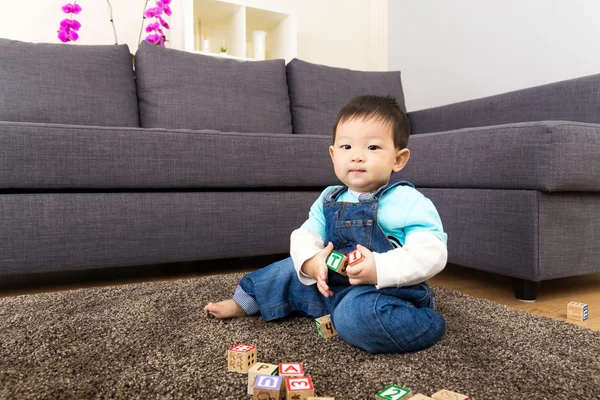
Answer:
(299, 388)
(420, 396)
(260, 369)
(325, 327)
(577, 311)
(337, 262)
(393, 392)
(291, 369)
(267, 387)
(448, 395)
(241, 357)
(354, 257)
(320, 398)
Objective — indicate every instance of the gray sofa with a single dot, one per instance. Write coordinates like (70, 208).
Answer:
(199, 158)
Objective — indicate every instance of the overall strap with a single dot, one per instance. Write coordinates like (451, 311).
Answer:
(333, 195)
(382, 190)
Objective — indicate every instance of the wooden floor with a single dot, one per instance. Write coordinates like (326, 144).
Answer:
(551, 302)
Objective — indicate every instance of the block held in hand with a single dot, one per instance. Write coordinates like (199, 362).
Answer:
(337, 262)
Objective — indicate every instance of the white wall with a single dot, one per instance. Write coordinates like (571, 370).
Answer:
(344, 33)
(455, 50)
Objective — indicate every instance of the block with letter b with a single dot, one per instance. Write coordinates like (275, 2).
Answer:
(299, 388)
(260, 369)
(241, 357)
(267, 387)
(393, 392)
(336, 262)
(325, 326)
(578, 311)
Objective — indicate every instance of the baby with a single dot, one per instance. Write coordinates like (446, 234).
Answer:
(384, 303)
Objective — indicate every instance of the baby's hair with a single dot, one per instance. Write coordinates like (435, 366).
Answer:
(378, 108)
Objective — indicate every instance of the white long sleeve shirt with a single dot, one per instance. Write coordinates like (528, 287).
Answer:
(404, 214)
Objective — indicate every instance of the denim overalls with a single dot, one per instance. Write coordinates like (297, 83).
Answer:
(377, 320)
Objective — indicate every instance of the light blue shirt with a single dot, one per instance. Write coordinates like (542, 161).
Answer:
(402, 210)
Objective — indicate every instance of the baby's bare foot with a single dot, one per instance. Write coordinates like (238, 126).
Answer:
(225, 309)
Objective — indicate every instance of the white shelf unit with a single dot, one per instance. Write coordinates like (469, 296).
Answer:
(230, 23)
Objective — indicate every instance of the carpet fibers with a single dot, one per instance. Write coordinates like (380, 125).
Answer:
(152, 340)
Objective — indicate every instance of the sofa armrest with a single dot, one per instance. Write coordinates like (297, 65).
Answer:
(570, 100)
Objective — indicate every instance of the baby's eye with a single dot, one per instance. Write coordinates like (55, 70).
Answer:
(345, 146)
(373, 147)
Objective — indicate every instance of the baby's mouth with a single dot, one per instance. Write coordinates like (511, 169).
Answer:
(357, 171)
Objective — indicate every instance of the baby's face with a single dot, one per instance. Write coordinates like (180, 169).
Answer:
(364, 155)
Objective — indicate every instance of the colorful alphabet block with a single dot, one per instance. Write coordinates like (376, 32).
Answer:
(393, 392)
(577, 311)
(241, 357)
(267, 387)
(337, 262)
(299, 388)
(448, 395)
(260, 369)
(354, 257)
(291, 369)
(325, 327)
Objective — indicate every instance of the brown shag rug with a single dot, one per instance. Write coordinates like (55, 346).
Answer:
(152, 340)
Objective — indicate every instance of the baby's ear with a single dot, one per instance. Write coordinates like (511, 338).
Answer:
(402, 157)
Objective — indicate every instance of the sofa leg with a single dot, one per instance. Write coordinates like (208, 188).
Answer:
(525, 290)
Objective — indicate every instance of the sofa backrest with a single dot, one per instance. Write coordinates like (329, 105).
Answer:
(181, 90)
(318, 92)
(67, 84)
(570, 100)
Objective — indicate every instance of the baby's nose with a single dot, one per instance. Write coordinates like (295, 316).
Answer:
(358, 156)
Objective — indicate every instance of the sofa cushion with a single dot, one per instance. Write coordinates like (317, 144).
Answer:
(67, 84)
(318, 92)
(42, 156)
(570, 100)
(550, 156)
(181, 90)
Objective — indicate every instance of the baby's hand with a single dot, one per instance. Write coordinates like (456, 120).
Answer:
(316, 267)
(363, 272)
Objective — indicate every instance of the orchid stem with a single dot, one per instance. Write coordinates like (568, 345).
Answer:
(112, 21)
(143, 19)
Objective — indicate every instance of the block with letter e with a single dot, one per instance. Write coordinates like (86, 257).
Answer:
(241, 357)
(299, 388)
(267, 387)
(336, 262)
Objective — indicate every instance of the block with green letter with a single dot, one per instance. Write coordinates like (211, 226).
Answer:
(337, 262)
(393, 392)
